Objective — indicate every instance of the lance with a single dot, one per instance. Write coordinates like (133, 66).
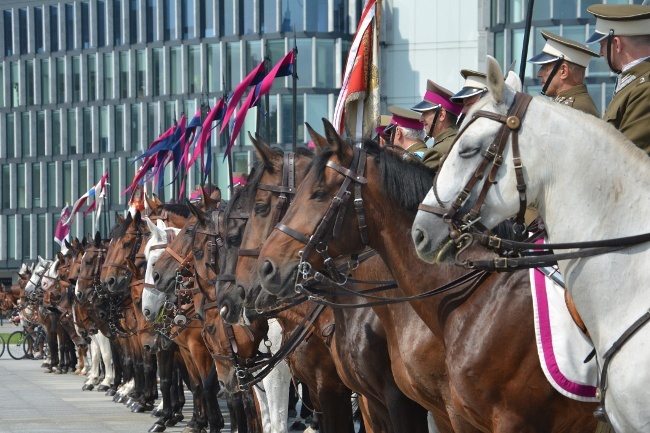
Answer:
(294, 74)
(267, 108)
(227, 137)
(524, 49)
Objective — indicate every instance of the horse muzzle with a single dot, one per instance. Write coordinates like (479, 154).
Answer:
(152, 302)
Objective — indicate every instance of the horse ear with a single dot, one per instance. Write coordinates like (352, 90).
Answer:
(495, 80)
(55, 265)
(198, 213)
(319, 141)
(67, 244)
(137, 218)
(59, 256)
(137, 274)
(42, 261)
(265, 153)
(156, 230)
(98, 239)
(513, 81)
(206, 199)
(338, 145)
(216, 195)
(151, 204)
(157, 201)
(119, 217)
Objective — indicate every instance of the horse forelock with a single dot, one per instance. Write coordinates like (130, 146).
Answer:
(177, 208)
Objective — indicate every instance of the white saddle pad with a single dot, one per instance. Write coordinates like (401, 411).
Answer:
(562, 347)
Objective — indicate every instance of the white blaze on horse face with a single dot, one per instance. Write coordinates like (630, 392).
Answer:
(37, 275)
(50, 275)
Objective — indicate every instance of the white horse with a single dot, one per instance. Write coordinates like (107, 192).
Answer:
(37, 275)
(588, 183)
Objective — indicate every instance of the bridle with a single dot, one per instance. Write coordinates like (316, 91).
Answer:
(492, 159)
(132, 256)
(95, 275)
(330, 225)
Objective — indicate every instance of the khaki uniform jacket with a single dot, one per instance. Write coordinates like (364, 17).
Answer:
(441, 146)
(629, 111)
(578, 97)
(415, 151)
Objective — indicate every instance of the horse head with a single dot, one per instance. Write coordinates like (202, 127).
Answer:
(88, 281)
(39, 270)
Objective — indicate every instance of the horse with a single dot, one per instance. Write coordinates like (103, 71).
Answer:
(494, 378)
(576, 203)
(359, 341)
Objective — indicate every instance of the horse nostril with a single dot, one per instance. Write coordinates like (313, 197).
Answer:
(241, 292)
(156, 277)
(267, 269)
(111, 281)
(419, 236)
(146, 312)
(209, 329)
(84, 334)
(147, 348)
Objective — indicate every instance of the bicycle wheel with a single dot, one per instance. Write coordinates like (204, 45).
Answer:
(30, 345)
(2, 351)
(15, 345)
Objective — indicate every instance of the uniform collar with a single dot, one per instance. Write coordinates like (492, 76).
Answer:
(452, 130)
(634, 63)
(573, 91)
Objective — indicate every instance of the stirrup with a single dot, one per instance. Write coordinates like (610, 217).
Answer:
(600, 414)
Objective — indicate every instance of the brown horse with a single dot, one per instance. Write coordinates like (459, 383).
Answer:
(495, 379)
(359, 343)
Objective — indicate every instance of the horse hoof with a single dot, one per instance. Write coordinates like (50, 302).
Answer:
(102, 388)
(156, 413)
(171, 422)
(56, 371)
(45, 365)
(47, 371)
(88, 387)
(111, 392)
(157, 428)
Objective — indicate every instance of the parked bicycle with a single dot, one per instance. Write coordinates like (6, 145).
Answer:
(23, 344)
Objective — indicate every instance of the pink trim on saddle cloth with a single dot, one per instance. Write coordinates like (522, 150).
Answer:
(561, 346)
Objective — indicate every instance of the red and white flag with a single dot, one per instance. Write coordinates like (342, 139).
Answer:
(62, 229)
(357, 108)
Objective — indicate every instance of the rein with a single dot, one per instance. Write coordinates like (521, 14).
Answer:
(133, 254)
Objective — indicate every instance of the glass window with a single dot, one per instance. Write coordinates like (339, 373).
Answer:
(175, 73)
(292, 11)
(36, 184)
(117, 22)
(25, 137)
(92, 77)
(76, 79)
(52, 181)
(187, 18)
(40, 229)
(170, 114)
(83, 177)
(194, 70)
(130, 168)
(226, 18)
(157, 72)
(287, 119)
(233, 57)
(305, 63)
(26, 236)
(60, 80)
(124, 74)
(316, 16)
(207, 19)
(324, 64)
(29, 82)
(67, 182)
(596, 92)
(103, 129)
(11, 237)
(15, 84)
(151, 20)
(169, 20)
(88, 130)
(20, 177)
(275, 51)
(576, 33)
(9, 33)
(38, 29)
(40, 133)
(69, 26)
(253, 54)
(341, 17)
(248, 17)
(54, 28)
(72, 131)
(516, 46)
(22, 28)
(85, 25)
(270, 16)
(45, 81)
(152, 126)
(115, 175)
(214, 68)
(11, 136)
(6, 190)
(118, 140)
(136, 125)
(101, 23)
(140, 74)
(133, 21)
(515, 11)
(56, 133)
(564, 9)
(108, 76)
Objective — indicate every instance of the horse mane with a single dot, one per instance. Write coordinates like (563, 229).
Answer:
(120, 228)
(177, 208)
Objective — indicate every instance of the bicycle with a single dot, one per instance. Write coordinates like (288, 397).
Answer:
(2, 351)
(15, 344)
(36, 339)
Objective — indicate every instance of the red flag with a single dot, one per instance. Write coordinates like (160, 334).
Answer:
(62, 229)
(253, 78)
(215, 114)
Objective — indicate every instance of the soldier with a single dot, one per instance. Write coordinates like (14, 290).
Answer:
(624, 35)
(382, 138)
(439, 116)
(406, 130)
(474, 88)
(562, 73)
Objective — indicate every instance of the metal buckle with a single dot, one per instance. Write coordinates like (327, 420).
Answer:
(501, 263)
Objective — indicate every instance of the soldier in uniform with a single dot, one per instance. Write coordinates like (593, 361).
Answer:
(624, 35)
(474, 88)
(439, 116)
(562, 73)
(406, 130)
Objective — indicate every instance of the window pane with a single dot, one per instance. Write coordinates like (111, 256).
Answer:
(82, 185)
(130, 168)
(25, 135)
(151, 14)
(140, 73)
(60, 80)
(157, 71)
(54, 28)
(316, 15)
(152, 125)
(9, 33)
(517, 45)
(170, 114)
(207, 19)
(253, 54)
(175, 73)
(117, 22)
(133, 21)
(38, 29)
(124, 74)
(324, 64)
(304, 63)
(11, 136)
(248, 27)
(36, 185)
(6, 187)
(15, 84)
(29, 82)
(40, 133)
(187, 18)
(56, 133)
(287, 120)
(270, 18)
(169, 20)
(214, 68)
(72, 131)
(92, 77)
(26, 237)
(115, 178)
(85, 25)
(76, 79)
(20, 177)
(542, 10)
(88, 130)
(45, 82)
(565, 9)
(69, 27)
(108, 76)
(40, 243)
(67, 182)
(22, 28)
(233, 56)
(292, 15)
(275, 50)
(103, 129)
(101, 23)
(135, 127)
(194, 71)
(11, 237)
(226, 17)
(52, 181)
(119, 128)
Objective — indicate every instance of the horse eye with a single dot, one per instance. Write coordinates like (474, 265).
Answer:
(127, 244)
(319, 195)
(198, 254)
(261, 208)
(469, 152)
(138, 302)
(233, 241)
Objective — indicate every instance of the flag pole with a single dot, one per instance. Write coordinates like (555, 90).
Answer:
(227, 137)
(294, 74)
(267, 108)
(524, 49)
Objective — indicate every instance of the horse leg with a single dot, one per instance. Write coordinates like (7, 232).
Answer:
(95, 361)
(251, 412)
(165, 359)
(405, 414)
(274, 400)
(211, 387)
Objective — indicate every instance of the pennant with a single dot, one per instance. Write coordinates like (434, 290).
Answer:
(62, 231)
(90, 193)
(252, 79)
(216, 113)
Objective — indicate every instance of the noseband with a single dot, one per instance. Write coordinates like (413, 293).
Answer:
(492, 160)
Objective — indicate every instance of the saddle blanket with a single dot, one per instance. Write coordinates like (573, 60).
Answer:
(561, 346)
